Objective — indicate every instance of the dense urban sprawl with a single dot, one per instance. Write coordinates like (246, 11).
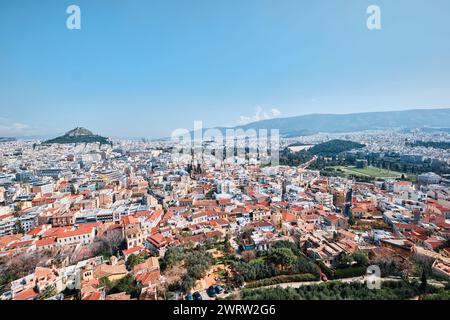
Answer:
(129, 221)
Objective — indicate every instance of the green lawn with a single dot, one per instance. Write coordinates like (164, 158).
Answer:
(368, 172)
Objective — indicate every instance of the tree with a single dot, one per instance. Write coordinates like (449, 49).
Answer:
(423, 283)
(187, 283)
(101, 247)
(283, 258)
(48, 292)
(360, 258)
(226, 244)
(303, 265)
(335, 236)
(127, 284)
(294, 246)
(345, 260)
(19, 266)
(173, 256)
(248, 255)
(447, 243)
(246, 234)
(115, 240)
(134, 260)
(238, 279)
(351, 220)
(73, 190)
(18, 227)
(106, 283)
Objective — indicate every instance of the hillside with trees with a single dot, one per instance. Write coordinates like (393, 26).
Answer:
(79, 135)
(330, 148)
(334, 147)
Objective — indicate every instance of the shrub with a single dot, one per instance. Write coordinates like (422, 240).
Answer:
(393, 290)
(282, 279)
(325, 269)
(349, 272)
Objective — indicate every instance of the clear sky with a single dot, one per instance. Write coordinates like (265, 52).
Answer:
(141, 68)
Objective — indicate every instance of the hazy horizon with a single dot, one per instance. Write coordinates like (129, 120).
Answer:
(50, 135)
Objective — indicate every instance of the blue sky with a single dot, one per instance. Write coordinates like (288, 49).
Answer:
(143, 68)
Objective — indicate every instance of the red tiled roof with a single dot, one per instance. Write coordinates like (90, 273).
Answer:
(45, 241)
(403, 183)
(129, 220)
(132, 250)
(289, 217)
(26, 295)
(157, 239)
(148, 277)
(73, 233)
(35, 231)
(96, 295)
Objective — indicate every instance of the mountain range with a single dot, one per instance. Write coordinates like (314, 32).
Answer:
(7, 139)
(341, 123)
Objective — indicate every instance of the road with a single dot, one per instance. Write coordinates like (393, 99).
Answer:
(306, 164)
(345, 280)
(295, 285)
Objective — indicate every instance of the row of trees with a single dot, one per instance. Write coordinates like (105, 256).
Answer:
(392, 290)
(294, 159)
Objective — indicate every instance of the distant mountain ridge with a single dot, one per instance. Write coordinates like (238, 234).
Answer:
(79, 135)
(7, 139)
(341, 123)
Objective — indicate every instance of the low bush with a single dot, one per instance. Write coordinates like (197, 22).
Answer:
(349, 272)
(282, 279)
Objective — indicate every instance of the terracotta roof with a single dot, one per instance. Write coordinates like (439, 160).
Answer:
(148, 277)
(72, 233)
(96, 295)
(149, 264)
(45, 241)
(35, 231)
(157, 239)
(132, 250)
(27, 294)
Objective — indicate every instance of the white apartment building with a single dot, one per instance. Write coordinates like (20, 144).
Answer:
(326, 199)
(7, 224)
(82, 235)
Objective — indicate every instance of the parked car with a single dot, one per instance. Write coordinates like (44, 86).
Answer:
(219, 289)
(211, 291)
(6, 295)
(189, 297)
(197, 296)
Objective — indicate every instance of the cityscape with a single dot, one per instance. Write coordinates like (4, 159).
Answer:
(86, 217)
(136, 161)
